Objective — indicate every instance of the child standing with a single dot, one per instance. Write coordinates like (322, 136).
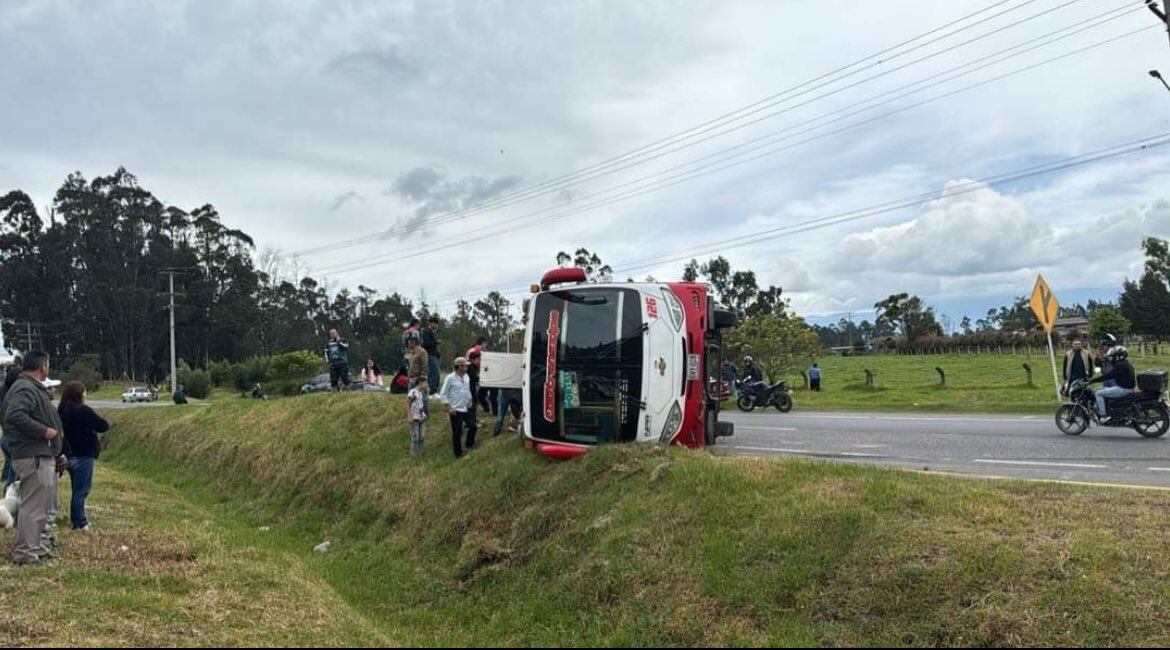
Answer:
(416, 414)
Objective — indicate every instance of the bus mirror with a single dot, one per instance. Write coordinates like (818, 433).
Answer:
(724, 319)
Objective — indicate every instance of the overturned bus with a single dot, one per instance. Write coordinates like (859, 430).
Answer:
(616, 362)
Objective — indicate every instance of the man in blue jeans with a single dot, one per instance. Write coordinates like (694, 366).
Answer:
(1122, 373)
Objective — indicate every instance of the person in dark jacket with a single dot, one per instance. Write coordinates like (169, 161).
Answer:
(1121, 373)
(1078, 364)
(33, 428)
(337, 356)
(10, 376)
(83, 447)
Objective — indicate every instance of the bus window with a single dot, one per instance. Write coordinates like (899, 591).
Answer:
(586, 385)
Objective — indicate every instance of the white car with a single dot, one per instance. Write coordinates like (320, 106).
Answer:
(138, 394)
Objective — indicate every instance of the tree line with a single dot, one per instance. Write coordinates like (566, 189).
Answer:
(89, 280)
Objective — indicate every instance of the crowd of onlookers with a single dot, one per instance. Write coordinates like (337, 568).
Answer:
(418, 377)
(41, 443)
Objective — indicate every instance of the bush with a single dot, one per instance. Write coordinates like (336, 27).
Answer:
(221, 373)
(196, 383)
(253, 370)
(85, 370)
(288, 371)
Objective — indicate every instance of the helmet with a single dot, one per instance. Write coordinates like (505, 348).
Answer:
(748, 360)
(1118, 352)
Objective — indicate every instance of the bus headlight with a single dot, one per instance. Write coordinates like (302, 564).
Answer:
(674, 308)
(673, 421)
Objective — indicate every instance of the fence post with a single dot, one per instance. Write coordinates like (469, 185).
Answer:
(869, 378)
(1028, 369)
(942, 375)
(807, 384)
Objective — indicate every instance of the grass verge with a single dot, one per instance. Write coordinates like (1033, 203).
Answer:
(986, 383)
(653, 546)
(163, 571)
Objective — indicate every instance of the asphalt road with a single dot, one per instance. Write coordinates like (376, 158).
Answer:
(1012, 446)
(118, 404)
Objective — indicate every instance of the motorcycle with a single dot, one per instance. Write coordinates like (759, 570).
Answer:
(757, 394)
(1145, 411)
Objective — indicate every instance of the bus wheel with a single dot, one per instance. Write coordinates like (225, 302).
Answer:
(746, 404)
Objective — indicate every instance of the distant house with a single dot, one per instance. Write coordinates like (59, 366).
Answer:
(1071, 326)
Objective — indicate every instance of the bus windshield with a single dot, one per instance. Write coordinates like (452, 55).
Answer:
(586, 365)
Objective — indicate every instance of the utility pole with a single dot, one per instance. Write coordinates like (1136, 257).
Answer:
(170, 273)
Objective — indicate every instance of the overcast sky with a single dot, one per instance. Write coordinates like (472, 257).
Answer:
(312, 123)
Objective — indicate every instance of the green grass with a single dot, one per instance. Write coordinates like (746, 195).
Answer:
(651, 546)
(975, 383)
(164, 571)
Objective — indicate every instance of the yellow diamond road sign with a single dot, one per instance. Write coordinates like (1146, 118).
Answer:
(1044, 304)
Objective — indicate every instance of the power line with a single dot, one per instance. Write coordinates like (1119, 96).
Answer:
(1101, 155)
(711, 167)
(559, 182)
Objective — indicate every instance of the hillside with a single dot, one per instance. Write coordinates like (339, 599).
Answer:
(648, 546)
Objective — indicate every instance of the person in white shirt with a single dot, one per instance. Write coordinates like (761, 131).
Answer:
(456, 394)
(416, 415)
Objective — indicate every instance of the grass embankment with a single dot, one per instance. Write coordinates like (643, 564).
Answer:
(653, 546)
(163, 571)
(975, 383)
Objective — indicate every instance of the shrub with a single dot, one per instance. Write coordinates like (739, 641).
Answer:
(253, 370)
(221, 373)
(288, 371)
(85, 370)
(196, 383)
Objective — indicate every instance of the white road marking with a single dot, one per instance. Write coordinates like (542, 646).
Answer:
(1039, 464)
(1158, 469)
(831, 416)
(868, 446)
(805, 452)
(767, 428)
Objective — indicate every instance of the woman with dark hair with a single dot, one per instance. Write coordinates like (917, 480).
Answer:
(82, 446)
(371, 373)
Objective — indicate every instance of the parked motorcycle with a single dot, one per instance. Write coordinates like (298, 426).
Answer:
(1145, 410)
(757, 394)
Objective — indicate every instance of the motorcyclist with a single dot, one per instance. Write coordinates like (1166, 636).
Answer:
(751, 374)
(1121, 372)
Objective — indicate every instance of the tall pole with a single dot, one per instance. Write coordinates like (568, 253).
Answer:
(29, 347)
(174, 378)
(1152, 5)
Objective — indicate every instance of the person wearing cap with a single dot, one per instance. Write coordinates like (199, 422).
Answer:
(456, 394)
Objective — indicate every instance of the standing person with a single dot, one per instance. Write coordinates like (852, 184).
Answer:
(1078, 364)
(34, 430)
(84, 447)
(456, 394)
(814, 377)
(410, 331)
(474, 358)
(728, 375)
(430, 343)
(1104, 363)
(371, 373)
(416, 415)
(10, 376)
(416, 356)
(337, 356)
(509, 400)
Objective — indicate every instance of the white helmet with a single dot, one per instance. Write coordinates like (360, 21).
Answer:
(748, 360)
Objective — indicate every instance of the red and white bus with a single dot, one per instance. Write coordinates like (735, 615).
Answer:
(620, 362)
